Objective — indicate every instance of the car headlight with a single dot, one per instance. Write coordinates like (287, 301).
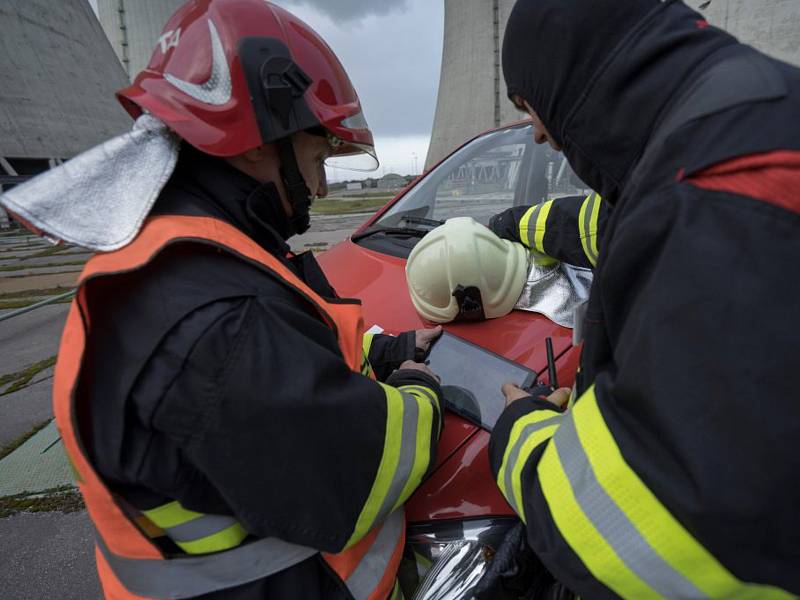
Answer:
(452, 556)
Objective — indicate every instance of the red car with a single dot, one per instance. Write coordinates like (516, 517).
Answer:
(459, 508)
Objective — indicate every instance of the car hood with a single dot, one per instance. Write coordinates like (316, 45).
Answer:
(379, 281)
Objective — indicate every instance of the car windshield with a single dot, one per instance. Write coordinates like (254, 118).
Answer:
(490, 174)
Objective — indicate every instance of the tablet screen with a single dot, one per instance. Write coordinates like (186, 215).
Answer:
(472, 377)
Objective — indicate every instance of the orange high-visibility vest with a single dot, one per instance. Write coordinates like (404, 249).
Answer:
(129, 564)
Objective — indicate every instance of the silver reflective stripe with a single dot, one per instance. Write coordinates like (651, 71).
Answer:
(513, 456)
(408, 453)
(372, 568)
(531, 241)
(587, 223)
(199, 528)
(609, 520)
(177, 578)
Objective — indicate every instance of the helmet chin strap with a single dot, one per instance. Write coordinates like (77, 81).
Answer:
(296, 187)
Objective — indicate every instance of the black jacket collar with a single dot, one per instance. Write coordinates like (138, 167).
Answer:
(204, 185)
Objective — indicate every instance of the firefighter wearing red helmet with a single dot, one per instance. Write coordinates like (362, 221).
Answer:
(234, 432)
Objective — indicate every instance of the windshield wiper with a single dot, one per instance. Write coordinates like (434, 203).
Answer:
(422, 221)
(407, 231)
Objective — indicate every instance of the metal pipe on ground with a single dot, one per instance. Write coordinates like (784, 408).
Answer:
(46, 302)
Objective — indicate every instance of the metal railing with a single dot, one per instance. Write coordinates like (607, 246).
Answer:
(45, 302)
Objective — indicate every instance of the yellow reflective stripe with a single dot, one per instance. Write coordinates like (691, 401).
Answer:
(541, 226)
(366, 345)
(422, 457)
(397, 593)
(598, 557)
(653, 521)
(517, 430)
(170, 515)
(223, 540)
(593, 227)
(427, 394)
(524, 222)
(582, 233)
(534, 440)
(418, 389)
(390, 458)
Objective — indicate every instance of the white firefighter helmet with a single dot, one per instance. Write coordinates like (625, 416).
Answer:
(463, 271)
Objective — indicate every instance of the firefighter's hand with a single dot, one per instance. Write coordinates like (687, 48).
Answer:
(425, 337)
(415, 366)
(513, 392)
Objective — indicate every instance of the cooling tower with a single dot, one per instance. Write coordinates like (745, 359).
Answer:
(472, 95)
(58, 77)
(133, 27)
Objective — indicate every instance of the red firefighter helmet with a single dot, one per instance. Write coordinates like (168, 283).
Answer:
(230, 75)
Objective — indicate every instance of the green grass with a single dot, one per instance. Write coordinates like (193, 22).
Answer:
(65, 499)
(47, 252)
(29, 293)
(19, 440)
(11, 268)
(20, 379)
(25, 302)
(14, 304)
(346, 207)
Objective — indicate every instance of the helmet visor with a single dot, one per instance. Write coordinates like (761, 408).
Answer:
(352, 156)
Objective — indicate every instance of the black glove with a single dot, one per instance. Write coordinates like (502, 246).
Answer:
(505, 225)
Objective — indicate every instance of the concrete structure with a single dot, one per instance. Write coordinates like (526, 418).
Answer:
(772, 26)
(58, 77)
(471, 88)
(472, 96)
(133, 27)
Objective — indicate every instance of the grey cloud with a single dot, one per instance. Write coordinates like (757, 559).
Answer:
(353, 10)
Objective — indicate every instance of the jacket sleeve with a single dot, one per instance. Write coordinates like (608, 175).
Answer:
(566, 229)
(385, 353)
(641, 488)
(299, 446)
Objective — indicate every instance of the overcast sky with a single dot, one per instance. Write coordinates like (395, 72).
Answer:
(392, 50)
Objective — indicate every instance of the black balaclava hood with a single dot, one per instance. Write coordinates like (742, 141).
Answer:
(599, 73)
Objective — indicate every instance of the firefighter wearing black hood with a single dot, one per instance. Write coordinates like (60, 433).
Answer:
(673, 472)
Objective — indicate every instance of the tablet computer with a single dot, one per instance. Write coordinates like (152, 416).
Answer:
(472, 377)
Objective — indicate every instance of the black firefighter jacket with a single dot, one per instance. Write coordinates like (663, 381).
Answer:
(674, 474)
(246, 407)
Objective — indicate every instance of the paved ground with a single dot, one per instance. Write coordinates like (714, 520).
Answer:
(24, 409)
(31, 337)
(49, 555)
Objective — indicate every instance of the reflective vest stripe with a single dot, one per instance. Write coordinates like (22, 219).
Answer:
(623, 534)
(587, 226)
(527, 434)
(366, 367)
(197, 575)
(405, 458)
(362, 581)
